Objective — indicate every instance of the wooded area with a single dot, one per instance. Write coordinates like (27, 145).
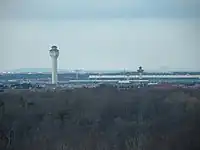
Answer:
(103, 118)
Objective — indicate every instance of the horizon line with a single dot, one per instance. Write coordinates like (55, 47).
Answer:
(48, 70)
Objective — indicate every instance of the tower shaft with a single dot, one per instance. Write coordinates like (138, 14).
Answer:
(140, 75)
(54, 70)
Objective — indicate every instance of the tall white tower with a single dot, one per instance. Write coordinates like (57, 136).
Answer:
(54, 53)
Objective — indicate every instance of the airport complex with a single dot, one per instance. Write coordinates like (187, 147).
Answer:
(79, 79)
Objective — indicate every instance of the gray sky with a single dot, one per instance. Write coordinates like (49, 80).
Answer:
(100, 34)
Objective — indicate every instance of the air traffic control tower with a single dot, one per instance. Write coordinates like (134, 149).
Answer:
(54, 53)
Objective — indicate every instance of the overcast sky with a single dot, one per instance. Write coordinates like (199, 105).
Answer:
(100, 34)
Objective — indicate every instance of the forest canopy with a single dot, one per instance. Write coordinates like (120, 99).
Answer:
(103, 118)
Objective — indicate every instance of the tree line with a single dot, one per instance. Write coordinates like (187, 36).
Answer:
(103, 118)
